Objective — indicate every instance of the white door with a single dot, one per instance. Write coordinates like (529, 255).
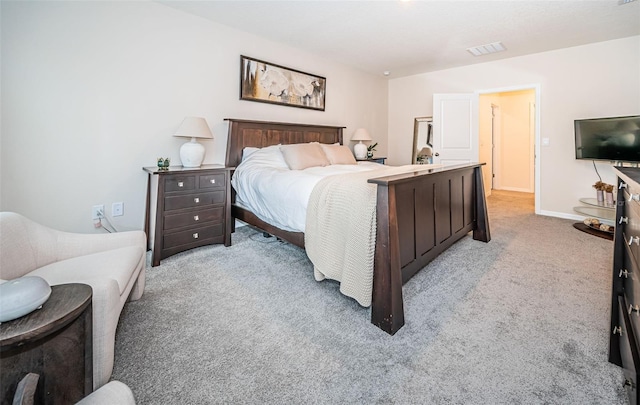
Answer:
(455, 128)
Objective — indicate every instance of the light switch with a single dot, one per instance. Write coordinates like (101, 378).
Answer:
(545, 141)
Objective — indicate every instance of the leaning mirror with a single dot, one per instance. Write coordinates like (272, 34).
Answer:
(422, 140)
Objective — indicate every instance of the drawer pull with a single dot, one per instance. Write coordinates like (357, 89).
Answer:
(634, 239)
(196, 200)
(196, 218)
(624, 219)
(617, 330)
(622, 185)
(635, 197)
(633, 308)
(181, 184)
(213, 181)
(624, 273)
(195, 235)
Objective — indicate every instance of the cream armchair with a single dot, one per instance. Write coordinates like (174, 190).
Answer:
(112, 264)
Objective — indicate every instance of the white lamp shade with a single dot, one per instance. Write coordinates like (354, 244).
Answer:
(192, 153)
(194, 127)
(361, 134)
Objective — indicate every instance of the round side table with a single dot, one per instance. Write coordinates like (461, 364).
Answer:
(54, 342)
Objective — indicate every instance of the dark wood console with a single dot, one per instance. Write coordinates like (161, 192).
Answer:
(624, 349)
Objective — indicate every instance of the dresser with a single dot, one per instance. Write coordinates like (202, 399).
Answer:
(187, 208)
(625, 298)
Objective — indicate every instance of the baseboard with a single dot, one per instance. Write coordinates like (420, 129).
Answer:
(519, 190)
(562, 215)
(574, 217)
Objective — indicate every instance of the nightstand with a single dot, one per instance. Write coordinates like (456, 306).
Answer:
(187, 208)
(375, 159)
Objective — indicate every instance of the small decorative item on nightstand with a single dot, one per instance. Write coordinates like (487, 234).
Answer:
(371, 149)
(163, 163)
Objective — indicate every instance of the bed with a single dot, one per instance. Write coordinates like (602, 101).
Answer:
(419, 214)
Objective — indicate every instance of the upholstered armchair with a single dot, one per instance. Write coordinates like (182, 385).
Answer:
(112, 264)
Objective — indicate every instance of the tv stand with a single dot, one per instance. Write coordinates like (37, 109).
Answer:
(596, 209)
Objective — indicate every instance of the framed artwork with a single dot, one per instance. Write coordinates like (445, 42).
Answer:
(270, 83)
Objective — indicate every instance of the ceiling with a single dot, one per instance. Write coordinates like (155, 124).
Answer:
(409, 37)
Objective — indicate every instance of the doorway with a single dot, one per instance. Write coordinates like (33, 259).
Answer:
(508, 137)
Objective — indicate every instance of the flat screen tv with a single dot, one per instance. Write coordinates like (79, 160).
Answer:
(615, 139)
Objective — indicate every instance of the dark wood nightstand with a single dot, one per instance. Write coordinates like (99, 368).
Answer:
(187, 208)
(54, 342)
(376, 159)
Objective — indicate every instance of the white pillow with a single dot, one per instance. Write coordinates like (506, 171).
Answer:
(246, 152)
(300, 156)
(269, 156)
(338, 154)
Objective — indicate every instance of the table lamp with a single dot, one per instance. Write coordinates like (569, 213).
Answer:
(360, 149)
(192, 153)
(425, 153)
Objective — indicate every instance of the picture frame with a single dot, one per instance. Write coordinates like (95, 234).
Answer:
(267, 82)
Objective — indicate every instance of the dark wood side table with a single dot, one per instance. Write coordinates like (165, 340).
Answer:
(54, 342)
(187, 208)
(375, 159)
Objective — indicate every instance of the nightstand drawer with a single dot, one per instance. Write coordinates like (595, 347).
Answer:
(210, 215)
(194, 200)
(192, 236)
(212, 181)
(180, 183)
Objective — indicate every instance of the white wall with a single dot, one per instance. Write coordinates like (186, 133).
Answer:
(595, 80)
(93, 91)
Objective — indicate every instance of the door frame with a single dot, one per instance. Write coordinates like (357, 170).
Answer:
(536, 161)
(495, 146)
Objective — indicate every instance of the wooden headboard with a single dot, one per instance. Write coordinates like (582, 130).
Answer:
(259, 134)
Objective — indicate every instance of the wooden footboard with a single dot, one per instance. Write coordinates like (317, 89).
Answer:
(419, 214)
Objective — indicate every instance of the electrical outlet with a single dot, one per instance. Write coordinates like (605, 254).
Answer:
(117, 209)
(97, 211)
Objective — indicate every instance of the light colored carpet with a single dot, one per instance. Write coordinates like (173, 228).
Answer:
(523, 319)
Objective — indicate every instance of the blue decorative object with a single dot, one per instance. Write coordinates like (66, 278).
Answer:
(21, 296)
(163, 163)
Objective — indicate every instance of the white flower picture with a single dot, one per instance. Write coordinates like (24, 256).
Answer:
(269, 83)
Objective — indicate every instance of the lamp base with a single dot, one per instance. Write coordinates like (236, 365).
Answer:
(360, 150)
(192, 154)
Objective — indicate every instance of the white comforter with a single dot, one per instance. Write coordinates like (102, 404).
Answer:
(266, 186)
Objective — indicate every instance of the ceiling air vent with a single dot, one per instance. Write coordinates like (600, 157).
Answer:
(486, 49)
